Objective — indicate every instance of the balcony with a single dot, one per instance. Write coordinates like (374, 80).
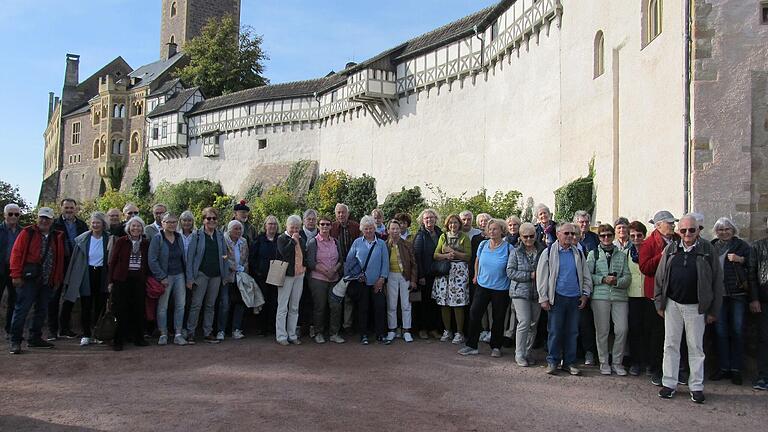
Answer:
(377, 91)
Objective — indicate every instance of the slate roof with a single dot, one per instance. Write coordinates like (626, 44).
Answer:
(152, 71)
(173, 104)
(166, 87)
(77, 111)
(89, 87)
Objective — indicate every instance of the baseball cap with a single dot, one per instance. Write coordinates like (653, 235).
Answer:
(663, 216)
(45, 212)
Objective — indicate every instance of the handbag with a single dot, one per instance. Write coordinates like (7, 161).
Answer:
(440, 268)
(106, 326)
(353, 288)
(338, 291)
(414, 296)
(276, 273)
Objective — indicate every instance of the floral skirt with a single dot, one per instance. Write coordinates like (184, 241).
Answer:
(453, 289)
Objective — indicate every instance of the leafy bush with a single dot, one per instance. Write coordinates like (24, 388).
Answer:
(576, 195)
(329, 189)
(499, 205)
(361, 196)
(277, 201)
(194, 195)
(405, 201)
(507, 204)
(254, 192)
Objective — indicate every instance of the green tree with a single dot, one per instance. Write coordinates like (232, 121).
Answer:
(194, 195)
(405, 201)
(278, 202)
(361, 196)
(329, 189)
(10, 194)
(140, 185)
(224, 59)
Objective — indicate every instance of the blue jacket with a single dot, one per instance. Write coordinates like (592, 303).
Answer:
(159, 254)
(378, 265)
(5, 256)
(196, 252)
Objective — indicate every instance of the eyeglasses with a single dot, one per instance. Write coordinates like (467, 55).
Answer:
(636, 236)
(568, 233)
(324, 224)
(211, 218)
(688, 230)
(528, 237)
(606, 235)
(14, 214)
(133, 213)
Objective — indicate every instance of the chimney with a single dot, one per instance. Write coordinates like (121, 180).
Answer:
(72, 74)
(172, 49)
(50, 105)
(350, 65)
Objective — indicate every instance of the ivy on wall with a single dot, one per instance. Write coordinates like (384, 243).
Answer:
(576, 195)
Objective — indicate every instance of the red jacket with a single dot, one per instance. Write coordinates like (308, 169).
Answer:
(118, 261)
(649, 257)
(27, 250)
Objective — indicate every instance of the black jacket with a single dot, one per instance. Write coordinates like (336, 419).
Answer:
(286, 252)
(60, 225)
(424, 249)
(735, 279)
(758, 271)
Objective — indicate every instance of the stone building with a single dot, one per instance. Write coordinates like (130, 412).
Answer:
(95, 139)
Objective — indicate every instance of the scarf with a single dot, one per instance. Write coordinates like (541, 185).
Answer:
(634, 254)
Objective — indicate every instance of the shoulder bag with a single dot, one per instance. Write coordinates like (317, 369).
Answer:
(354, 292)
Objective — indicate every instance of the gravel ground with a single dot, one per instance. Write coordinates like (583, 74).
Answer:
(255, 384)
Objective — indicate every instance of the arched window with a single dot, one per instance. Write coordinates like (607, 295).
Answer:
(173, 39)
(135, 142)
(653, 11)
(115, 111)
(173, 9)
(121, 111)
(117, 146)
(96, 149)
(599, 60)
(103, 146)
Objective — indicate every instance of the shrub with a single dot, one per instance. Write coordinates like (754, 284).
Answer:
(361, 196)
(329, 189)
(507, 204)
(499, 205)
(576, 195)
(528, 212)
(194, 195)
(254, 192)
(277, 201)
(406, 201)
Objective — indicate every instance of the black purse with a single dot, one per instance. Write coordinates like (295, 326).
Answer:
(440, 268)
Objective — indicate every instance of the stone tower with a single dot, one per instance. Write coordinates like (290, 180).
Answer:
(181, 20)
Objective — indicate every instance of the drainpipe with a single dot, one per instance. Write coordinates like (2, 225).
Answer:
(482, 46)
(687, 114)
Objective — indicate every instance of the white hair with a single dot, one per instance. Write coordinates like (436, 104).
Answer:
(99, 216)
(11, 206)
(128, 205)
(424, 212)
(481, 216)
(539, 207)
(169, 215)
(581, 214)
(310, 212)
(233, 223)
(341, 206)
(133, 220)
(466, 213)
(293, 220)
(367, 220)
(725, 222)
(187, 215)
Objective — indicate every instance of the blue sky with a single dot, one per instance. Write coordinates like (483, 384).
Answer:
(303, 38)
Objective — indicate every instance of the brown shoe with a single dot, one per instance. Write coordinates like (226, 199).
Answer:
(211, 339)
(434, 334)
(423, 334)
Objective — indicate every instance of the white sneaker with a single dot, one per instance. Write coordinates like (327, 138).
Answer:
(391, 336)
(458, 339)
(319, 339)
(163, 340)
(179, 340)
(85, 341)
(589, 359)
(95, 341)
(447, 335)
(220, 336)
(337, 339)
(407, 337)
(237, 334)
(485, 336)
(605, 369)
(619, 370)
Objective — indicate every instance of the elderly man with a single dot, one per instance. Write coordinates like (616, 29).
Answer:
(130, 210)
(151, 230)
(688, 291)
(564, 283)
(242, 214)
(68, 224)
(758, 297)
(466, 224)
(345, 231)
(37, 268)
(9, 231)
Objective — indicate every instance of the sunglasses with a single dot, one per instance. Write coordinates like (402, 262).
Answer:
(569, 233)
(324, 224)
(688, 230)
(133, 213)
(211, 218)
(528, 237)
(13, 214)
(606, 235)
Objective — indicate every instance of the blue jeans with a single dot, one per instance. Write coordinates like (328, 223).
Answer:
(563, 328)
(730, 333)
(177, 289)
(30, 293)
(227, 295)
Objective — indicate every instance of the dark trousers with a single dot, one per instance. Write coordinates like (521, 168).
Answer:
(656, 349)
(267, 316)
(564, 319)
(642, 318)
(6, 284)
(587, 340)
(58, 323)
(93, 304)
(426, 313)
(365, 299)
(730, 333)
(128, 306)
(306, 311)
(762, 346)
(30, 293)
(499, 300)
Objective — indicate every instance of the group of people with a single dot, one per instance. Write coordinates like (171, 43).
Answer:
(325, 273)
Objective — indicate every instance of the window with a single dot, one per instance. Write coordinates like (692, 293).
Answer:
(180, 128)
(137, 108)
(103, 146)
(172, 40)
(262, 144)
(211, 145)
(96, 149)
(75, 133)
(155, 133)
(764, 12)
(115, 111)
(117, 146)
(164, 132)
(121, 111)
(494, 30)
(599, 67)
(135, 142)
(652, 20)
(96, 117)
(334, 96)
(173, 9)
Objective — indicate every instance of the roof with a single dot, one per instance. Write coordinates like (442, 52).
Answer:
(166, 87)
(81, 110)
(271, 92)
(174, 103)
(152, 71)
(89, 87)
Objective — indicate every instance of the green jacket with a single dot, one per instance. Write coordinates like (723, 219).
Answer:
(598, 266)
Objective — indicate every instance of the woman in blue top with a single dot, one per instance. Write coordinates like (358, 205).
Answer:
(492, 287)
(371, 283)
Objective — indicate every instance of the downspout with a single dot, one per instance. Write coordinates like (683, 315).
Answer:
(687, 114)
(482, 46)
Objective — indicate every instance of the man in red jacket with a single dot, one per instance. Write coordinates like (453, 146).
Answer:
(648, 260)
(37, 269)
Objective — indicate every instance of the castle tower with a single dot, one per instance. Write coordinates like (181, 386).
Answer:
(181, 20)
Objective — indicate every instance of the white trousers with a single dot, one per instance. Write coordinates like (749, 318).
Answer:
(605, 312)
(288, 297)
(398, 286)
(676, 318)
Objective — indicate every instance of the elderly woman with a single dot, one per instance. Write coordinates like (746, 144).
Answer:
(610, 280)
(521, 270)
(206, 267)
(378, 216)
(622, 241)
(401, 281)
(128, 269)
(546, 229)
(405, 225)
(264, 251)
(424, 246)
(734, 256)
(450, 291)
(642, 312)
(86, 276)
(229, 296)
(492, 287)
(368, 259)
(325, 260)
(292, 249)
(513, 230)
(186, 228)
(168, 264)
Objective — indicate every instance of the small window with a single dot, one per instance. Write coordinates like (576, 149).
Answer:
(164, 132)
(172, 39)
(173, 9)
(494, 30)
(599, 60)
(211, 145)
(96, 118)
(135, 143)
(96, 149)
(75, 133)
(180, 128)
(764, 12)
(262, 144)
(115, 111)
(117, 146)
(155, 133)
(653, 11)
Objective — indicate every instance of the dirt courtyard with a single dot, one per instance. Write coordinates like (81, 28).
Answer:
(255, 384)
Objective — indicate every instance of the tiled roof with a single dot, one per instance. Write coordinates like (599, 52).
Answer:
(173, 104)
(152, 71)
(166, 87)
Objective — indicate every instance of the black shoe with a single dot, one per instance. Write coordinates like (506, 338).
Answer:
(364, 340)
(736, 378)
(682, 377)
(67, 334)
(507, 342)
(667, 393)
(719, 375)
(383, 340)
(656, 379)
(698, 397)
(39, 343)
(15, 348)
(117, 346)
(140, 342)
